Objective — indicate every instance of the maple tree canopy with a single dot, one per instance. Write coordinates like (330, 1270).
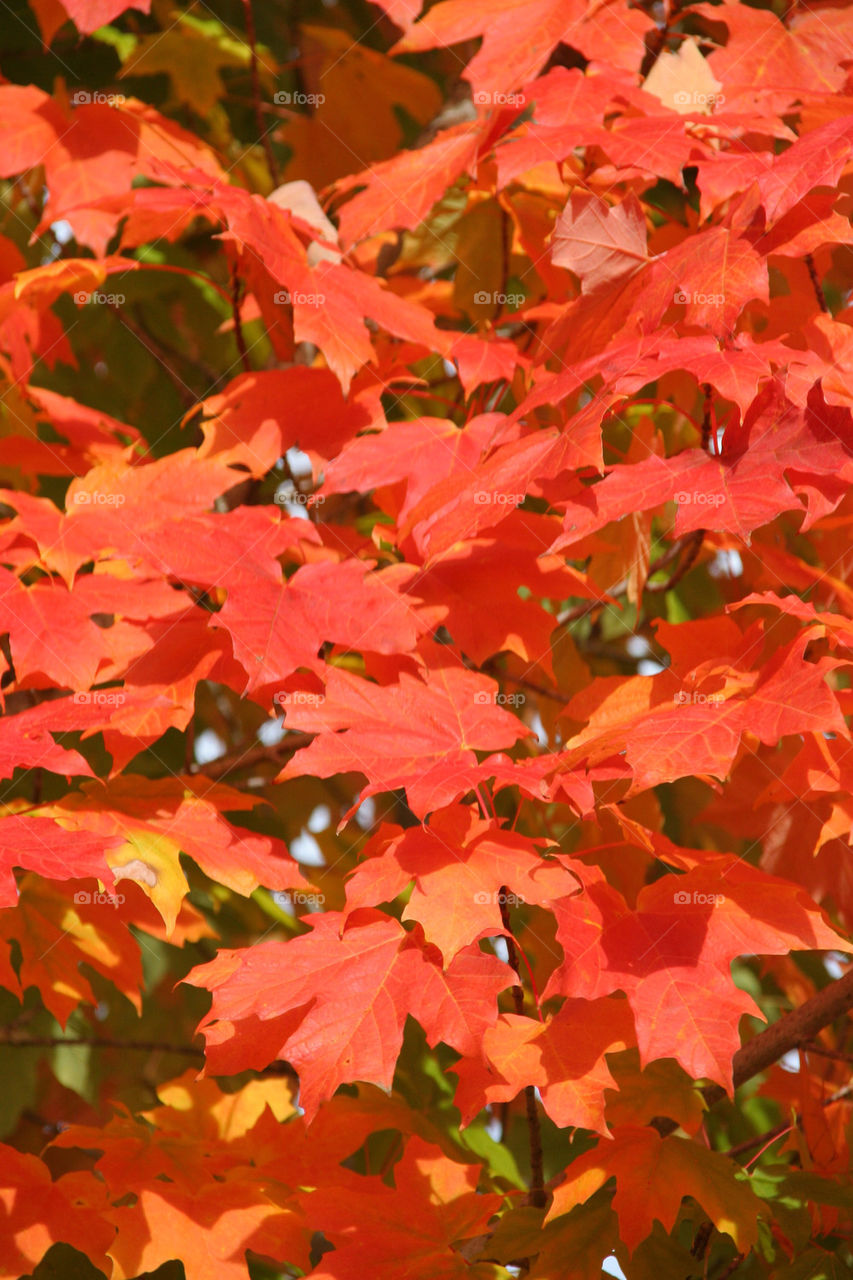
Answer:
(426, 498)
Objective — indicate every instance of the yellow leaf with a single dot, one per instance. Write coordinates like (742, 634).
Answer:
(153, 861)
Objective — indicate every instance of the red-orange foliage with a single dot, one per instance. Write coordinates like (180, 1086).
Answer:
(426, 449)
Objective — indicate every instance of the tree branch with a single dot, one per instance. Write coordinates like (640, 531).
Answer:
(244, 758)
(490, 668)
(789, 1032)
(9, 1039)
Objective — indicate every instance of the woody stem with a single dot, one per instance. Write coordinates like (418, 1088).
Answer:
(534, 1129)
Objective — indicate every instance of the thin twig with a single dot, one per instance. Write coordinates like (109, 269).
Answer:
(811, 1047)
(672, 553)
(211, 378)
(185, 393)
(16, 1041)
(189, 745)
(657, 43)
(490, 668)
(770, 1136)
(813, 276)
(534, 1129)
(693, 542)
(256, 94)
(238, 324)
(707, 417)
(246, 758)
(579, 611)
